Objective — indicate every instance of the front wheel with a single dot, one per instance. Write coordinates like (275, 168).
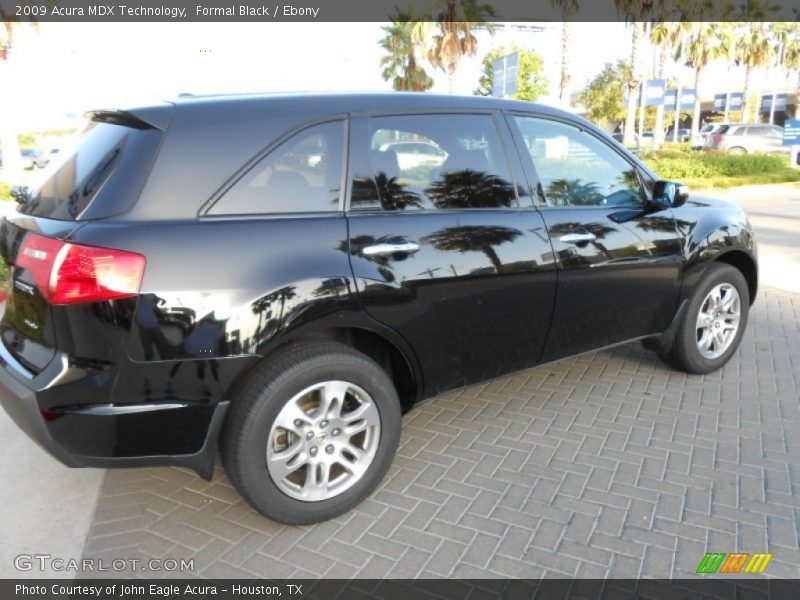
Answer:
(713, 323)
(312, 433)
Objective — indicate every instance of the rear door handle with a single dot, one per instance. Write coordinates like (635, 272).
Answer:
(577, 238)
(382, 248)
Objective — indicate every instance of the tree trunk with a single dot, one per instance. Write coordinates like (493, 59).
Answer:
(658, 133)
(747, 103)
(491, 254)
(565, 77)
(633, 85)
(696, 112)
(12, 159)
(797, 98)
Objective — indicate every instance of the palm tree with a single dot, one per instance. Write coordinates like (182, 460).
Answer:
(395, 195)
(573, 192)
(633, 82)
(467, 188)
(568, 8)
(448, 36)
(788, 34)
(701, 43)
(400, 62)
(755, 47)
(473, 238)
(12, 160)
(664, 35)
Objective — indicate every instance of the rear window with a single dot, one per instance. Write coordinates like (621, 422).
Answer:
(100, 177)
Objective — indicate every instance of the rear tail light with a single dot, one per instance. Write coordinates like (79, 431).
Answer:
(67, 273)
(719, 138)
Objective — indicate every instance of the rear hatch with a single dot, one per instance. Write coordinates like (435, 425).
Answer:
(99, 178)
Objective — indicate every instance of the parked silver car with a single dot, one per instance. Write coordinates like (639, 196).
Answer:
(683, 135)
(747, 137)
(705, 132)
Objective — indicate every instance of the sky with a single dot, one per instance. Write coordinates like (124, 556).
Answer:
(63, 69)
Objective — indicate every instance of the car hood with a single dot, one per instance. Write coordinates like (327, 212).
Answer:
(701, 201)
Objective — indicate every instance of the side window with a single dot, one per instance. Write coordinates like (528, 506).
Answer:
(302, 174)
(576, 168)
(424, 162)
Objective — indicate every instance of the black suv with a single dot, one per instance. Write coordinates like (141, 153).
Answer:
(285, 275)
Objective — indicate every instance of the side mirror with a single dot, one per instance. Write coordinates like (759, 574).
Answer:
(669, 193)
(20, 193)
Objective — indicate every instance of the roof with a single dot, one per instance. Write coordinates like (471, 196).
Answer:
(362, 101)
(216, 107)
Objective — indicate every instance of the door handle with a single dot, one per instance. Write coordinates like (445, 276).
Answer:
(381, 248)
(577, 238)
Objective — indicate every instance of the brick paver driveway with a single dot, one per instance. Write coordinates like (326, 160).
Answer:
(605, 465)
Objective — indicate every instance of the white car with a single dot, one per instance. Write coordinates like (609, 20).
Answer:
(415, 154)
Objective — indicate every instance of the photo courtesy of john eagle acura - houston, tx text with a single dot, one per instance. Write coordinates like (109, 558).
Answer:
(280, 277)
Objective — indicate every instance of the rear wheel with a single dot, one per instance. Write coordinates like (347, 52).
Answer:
(737, 150)
(713, 323)
(312, 433)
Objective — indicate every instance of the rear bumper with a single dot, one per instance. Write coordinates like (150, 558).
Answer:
(108, 435)
(19, 401)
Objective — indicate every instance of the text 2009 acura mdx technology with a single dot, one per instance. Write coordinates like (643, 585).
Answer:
(271, 272)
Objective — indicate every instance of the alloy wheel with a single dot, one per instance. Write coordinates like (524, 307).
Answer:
(718, 320)
(323, 440)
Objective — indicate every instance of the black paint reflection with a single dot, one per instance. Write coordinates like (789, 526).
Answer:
(627, 276)
(149, 318)
(473, 239)
(600, 231)
(470, 189)
(579, 192)
(183, 326)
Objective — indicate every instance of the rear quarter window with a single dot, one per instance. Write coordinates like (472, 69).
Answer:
(99, 178)
(301, 175)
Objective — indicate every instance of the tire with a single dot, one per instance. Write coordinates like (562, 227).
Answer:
(737, 150)
(254, 446)
(688, 352)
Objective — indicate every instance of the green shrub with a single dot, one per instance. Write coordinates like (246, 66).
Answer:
(670, 163)
(5, 191)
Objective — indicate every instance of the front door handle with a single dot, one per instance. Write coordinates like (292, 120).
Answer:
(394, 247)
(578, 238)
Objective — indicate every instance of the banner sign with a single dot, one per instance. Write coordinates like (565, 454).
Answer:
(504, 75)
(654, 92)
(734, 99)
(791, 132)
(670, 99)
(766, 102)
(687, 98)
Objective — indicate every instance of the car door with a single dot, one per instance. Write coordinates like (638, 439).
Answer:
(450, 254)
(753, 138)
(773, 138)
(619, 259)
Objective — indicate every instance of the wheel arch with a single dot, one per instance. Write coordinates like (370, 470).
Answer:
(390, 354)
(742, 261)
